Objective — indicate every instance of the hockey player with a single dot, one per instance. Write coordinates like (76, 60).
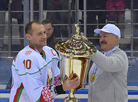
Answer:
(35, 70)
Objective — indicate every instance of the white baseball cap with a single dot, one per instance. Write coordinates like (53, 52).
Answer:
(109, 28)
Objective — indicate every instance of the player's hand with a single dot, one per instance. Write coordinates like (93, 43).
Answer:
(71, 84)
(84, 38)
(90, 44)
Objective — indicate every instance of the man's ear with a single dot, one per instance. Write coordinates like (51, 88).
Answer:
(116, 38)
(28, 36)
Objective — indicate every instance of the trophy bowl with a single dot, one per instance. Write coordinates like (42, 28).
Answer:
(75, 54)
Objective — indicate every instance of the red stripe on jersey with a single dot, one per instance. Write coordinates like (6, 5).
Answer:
(18, 93)
(31, 47)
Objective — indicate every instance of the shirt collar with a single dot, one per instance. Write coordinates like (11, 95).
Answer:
(108, 52)
(43, 52)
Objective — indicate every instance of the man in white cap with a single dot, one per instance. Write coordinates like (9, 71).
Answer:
(108, 74)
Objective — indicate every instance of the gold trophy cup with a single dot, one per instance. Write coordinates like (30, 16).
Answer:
(75, 54)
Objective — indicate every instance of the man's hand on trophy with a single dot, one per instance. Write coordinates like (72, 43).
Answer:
(83, 37)
(90, 44)
(71, 84)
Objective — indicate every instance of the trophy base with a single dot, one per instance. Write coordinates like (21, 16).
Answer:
(71, 99)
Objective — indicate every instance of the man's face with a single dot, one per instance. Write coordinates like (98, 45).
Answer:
(108, 41)
(49, 30)
(38, 37)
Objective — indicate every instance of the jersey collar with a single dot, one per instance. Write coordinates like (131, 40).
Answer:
(42, 53)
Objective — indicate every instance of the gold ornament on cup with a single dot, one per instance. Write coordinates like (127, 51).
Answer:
(75, 54)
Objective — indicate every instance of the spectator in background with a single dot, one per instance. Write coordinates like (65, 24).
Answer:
(115, 17)
(3, 9)
(57, 17)
(51, 40)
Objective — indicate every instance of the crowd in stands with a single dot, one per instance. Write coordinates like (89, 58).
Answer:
(98, 14)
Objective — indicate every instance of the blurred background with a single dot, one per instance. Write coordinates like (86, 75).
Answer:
(89, 14)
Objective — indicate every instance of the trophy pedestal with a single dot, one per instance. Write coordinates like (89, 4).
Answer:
(71, 97)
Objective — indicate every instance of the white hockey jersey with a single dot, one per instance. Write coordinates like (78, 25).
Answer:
(34, 75)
